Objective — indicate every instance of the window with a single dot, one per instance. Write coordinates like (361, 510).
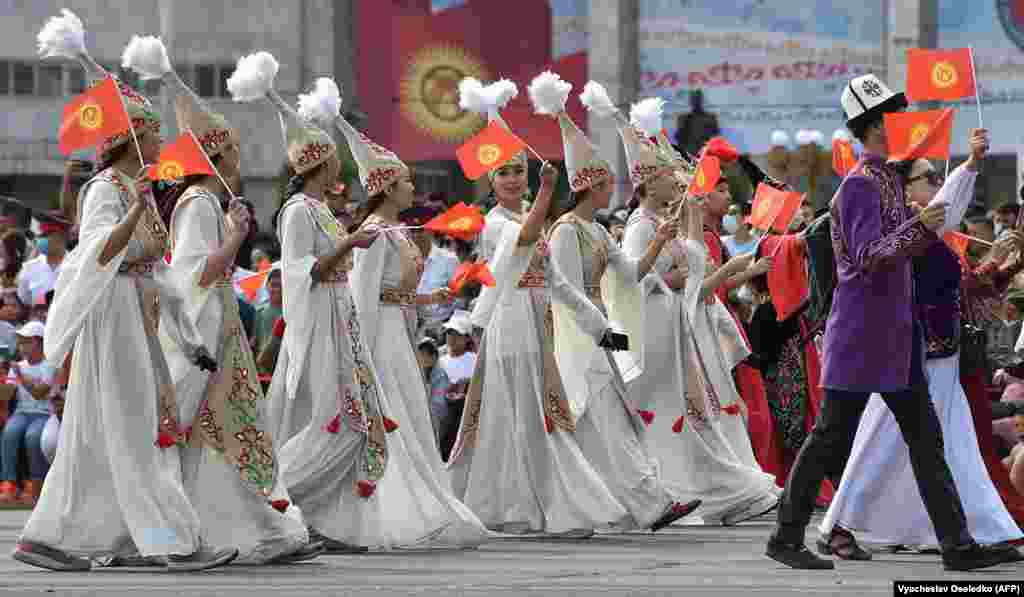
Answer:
(206, 80)
(51, 80)
(24, 78)
(76, 80)
(5, 77)
(225, 74)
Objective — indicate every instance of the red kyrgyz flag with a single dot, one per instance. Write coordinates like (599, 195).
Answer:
(913, 135)
(91, 117)
(250, 285)
(722, 149)
(461, 221)
(470, 272)
(709, 171)
(945, 75)
(489, 149)
(182, 158)
(843, 157)
(773, 208)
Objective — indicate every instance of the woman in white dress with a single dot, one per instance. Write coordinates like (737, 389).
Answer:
(230, 462)
(325, 364)
(516, 462)
(412, 505)
(111, 491)
(687, 374)
(878, 499)
(607, 423)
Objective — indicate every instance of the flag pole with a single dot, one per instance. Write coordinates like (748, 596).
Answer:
(212, 167)
(131, 126)
(977, 93)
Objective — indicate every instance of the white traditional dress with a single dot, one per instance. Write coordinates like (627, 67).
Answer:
(878, 499)
(607, 424)
(324, 371)
(229, 464)
(110, 490)
(516, 462)
(687, 379)
(412, 505)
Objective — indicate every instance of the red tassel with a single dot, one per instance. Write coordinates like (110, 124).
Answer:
(365, 488)
(549, 425)
(278, 331)
(732, 409)
(165, 440)
(677, 427)
(390, 425)
(646, 415)
(280, 505)
(334, 426)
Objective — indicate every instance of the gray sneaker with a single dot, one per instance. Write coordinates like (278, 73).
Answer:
(201, 560)
(35, 554)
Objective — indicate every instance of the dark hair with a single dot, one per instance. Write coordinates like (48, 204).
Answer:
(112, 157)
(903, 168)
(428, 347)
(859, 129)
(744, 207)
(297, 181)
(16, 247)
(369, 207)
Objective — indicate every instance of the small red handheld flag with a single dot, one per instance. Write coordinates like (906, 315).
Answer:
(913, 135)
(773, 208)
(91, 117)
(709, 171)
(462, 221)
(843, 157)
(470, 272)
(945, 75)
(489, 149)
(181, 158)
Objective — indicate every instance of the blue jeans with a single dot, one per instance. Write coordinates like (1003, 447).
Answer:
(28, 427)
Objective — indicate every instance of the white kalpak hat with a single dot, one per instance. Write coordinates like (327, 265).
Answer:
(866, 97)
(780, 139)
(585, 167)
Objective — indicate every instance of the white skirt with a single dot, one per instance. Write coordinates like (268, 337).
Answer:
(878, 499)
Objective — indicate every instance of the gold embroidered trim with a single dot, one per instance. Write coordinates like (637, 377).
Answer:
(142, 269)
(392, 296)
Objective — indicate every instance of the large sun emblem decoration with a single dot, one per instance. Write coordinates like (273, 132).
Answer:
(430, 92)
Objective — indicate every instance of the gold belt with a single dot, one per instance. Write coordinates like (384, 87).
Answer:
(533, 280)
(141, 269)
(393, 296)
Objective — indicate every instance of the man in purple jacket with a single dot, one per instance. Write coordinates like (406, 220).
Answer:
(873, 343)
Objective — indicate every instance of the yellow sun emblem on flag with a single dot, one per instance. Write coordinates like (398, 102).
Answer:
(918, 133)
(488, 154)
(429, 94)
(699, 178)
(463, 224)
(170, 170)
(91, 116)
(944, 75)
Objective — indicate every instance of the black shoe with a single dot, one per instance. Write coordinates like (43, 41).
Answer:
(843, 545)
(43, 556)
(1009, 553)
(309, 551)
(975, 557)
(675, 511)
(796, 556)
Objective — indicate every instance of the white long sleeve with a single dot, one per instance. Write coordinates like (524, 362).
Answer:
(956, 192)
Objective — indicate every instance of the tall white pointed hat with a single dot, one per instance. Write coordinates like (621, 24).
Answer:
(379, 168)
(305, 144)
(488, 100)
(646, 117)
(585, 167)
(64, 37)
(642, 155)
(148, 57)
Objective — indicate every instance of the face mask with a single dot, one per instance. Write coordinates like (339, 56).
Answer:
(730, 224)
(43, 244)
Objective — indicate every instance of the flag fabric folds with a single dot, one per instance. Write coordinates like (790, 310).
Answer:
(470, 272)
(91, 117)
(181, 158)
(843, 157)
(773, 209)
(913, 135)
(705, 177)
(462, 221)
